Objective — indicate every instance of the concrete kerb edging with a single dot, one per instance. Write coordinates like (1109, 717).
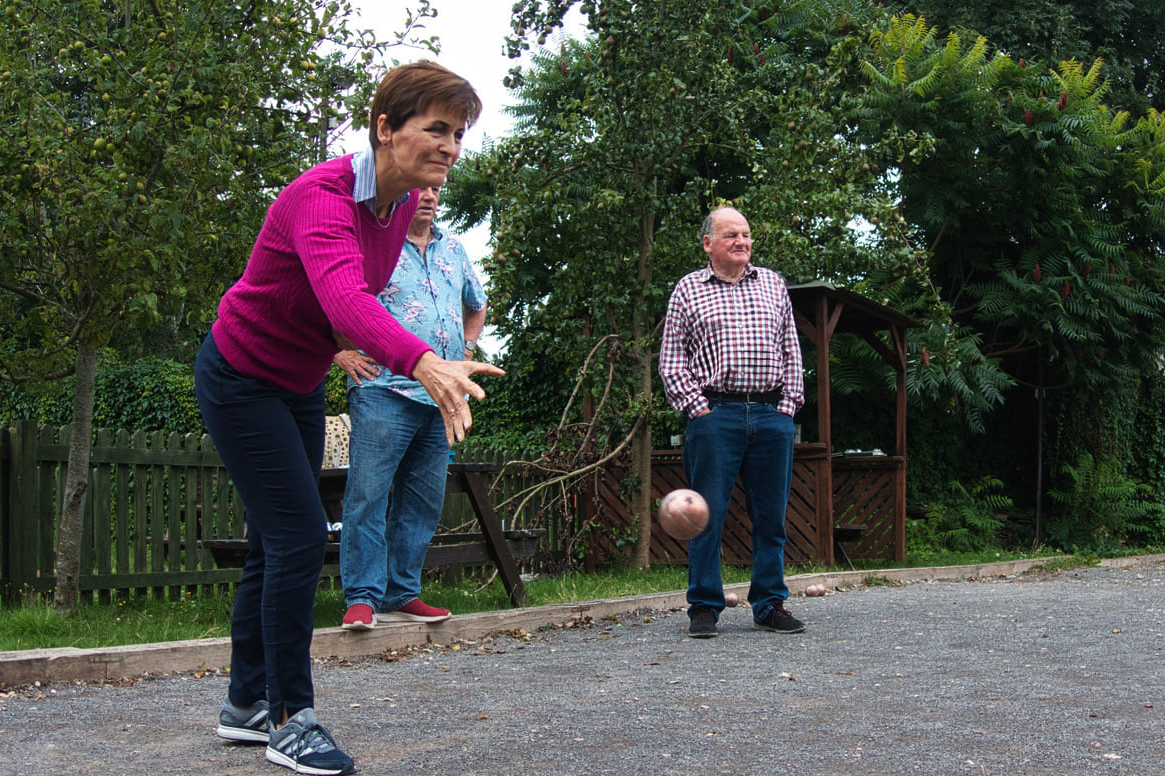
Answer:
(46, 666)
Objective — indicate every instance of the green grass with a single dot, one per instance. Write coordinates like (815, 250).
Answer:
(931, 557)
(132, 621)
(470, 596)
(145, 621)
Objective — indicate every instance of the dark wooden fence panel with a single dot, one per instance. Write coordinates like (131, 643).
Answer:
(804, 523)
(513, 511)
(864, 492)
(806, 530)
(142, 526)
(52, 486)
(154, 499)
(667, 474)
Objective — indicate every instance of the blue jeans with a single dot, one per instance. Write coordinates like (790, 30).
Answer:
(272, 443)
(399, 442)
(754, 442)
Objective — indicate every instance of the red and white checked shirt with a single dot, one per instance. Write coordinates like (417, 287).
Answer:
(730, 338)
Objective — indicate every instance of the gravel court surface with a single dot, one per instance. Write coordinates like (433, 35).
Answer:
(1036, 674)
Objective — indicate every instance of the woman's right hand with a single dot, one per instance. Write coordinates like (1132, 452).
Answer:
(357, 365)
(448, 384)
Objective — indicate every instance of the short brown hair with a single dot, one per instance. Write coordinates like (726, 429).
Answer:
(407, 90)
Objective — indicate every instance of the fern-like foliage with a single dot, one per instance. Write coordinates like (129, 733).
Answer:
(1098, 505)
(966, 520)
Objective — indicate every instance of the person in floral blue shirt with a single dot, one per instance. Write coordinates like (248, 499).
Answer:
(398, 434)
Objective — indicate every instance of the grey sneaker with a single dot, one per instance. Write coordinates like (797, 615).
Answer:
(248, 724)
(703, 623)
(306, 746)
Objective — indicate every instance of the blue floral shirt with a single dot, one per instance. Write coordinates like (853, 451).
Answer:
(427, 296)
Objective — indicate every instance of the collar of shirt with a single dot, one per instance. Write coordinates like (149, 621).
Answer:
(707, 274)
(435, 235)
(364, 192)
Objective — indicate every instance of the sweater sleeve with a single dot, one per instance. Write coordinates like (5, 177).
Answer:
(347, 265)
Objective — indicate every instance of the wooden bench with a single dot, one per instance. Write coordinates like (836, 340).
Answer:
(846, 533)
(446, 550)
(490, 545)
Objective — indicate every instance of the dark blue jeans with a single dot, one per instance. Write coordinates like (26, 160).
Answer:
(272, 442)
(754, 442)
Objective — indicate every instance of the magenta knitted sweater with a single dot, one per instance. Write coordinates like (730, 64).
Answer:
(319, 260)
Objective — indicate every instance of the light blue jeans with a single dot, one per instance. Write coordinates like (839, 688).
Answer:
(399, 442)
(754, 441)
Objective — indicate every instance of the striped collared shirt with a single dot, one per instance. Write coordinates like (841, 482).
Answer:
(731, 338)
(364, 192)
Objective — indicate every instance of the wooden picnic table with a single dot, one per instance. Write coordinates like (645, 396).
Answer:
(491, 545)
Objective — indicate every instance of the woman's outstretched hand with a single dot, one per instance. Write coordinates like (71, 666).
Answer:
(448, 384)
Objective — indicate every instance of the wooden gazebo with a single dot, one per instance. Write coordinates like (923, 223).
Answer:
(839, 497)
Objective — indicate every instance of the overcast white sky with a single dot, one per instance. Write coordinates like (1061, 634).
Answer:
(472, 34)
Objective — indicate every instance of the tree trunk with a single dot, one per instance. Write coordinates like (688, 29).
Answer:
(641, 444)
(641, 465)
(68, 589)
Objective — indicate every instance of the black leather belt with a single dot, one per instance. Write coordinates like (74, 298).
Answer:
(760, 397)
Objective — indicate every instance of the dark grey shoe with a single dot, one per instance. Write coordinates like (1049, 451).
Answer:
(306, 746)
(703, 623)
(243, 724)
(779, 620)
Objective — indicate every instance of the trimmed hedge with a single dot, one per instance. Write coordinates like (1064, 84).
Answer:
(149, 395)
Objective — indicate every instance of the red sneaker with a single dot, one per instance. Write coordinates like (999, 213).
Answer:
(359, 617)
(415, 610)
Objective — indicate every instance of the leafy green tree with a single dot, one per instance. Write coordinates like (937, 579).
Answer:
(1001, 202)
(1041, 207)
(140, 143)
(623, 143)
(1041, 210)
(1125, 34)
(599, 206)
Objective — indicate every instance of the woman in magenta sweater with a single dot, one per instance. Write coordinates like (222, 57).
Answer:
(328, 245)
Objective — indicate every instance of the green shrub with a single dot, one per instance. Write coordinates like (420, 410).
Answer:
(336, 392)
(964, 521)
(1101, 507)
(148, 395)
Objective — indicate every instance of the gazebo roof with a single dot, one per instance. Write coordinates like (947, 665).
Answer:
(860, 314)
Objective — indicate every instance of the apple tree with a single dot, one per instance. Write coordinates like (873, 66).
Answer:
(140, 144)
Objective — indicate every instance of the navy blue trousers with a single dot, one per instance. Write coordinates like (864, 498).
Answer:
(272, 442)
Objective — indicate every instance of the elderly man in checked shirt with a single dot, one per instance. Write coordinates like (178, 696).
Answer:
(730, 361)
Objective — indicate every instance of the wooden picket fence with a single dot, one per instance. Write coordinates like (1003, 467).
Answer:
(136, 534)
(154, 498)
